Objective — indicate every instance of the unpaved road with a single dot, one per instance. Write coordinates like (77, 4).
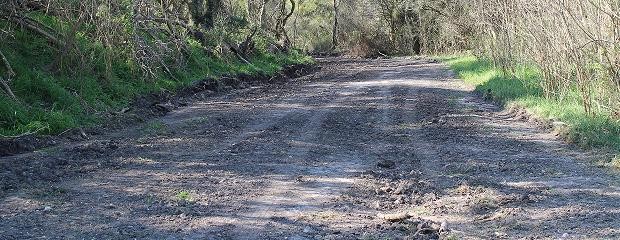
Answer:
(300, 161)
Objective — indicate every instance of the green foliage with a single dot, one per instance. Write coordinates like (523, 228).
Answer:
(312, 26)
(58, 92)
(598, 130)
(184, 196)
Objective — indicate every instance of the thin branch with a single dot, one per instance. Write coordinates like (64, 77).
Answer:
(23, 134)
(7, 88)
(7, 64)
(5, 82)
(32, 25)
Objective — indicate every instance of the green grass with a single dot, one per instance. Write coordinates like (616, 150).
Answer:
(184, 196)
(56, 94)
(589, 131)
(155, 128)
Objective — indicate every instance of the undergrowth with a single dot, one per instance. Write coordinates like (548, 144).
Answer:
(53, 97)
(598, 130)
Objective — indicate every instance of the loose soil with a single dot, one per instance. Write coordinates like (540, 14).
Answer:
(362, 149)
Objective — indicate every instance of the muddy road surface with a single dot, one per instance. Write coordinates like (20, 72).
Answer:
(363, 149)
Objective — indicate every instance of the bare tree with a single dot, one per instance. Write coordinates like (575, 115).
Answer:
(335, 26)
(282, 20)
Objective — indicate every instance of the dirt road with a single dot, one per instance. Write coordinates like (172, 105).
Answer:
(325, 156)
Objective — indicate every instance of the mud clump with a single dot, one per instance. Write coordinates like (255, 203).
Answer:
(413, 227)
(12, 146)
(386, 164)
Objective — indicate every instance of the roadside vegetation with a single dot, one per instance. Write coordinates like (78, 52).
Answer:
(49, 103)
(523, 89)
(556, 59)
(67, 64)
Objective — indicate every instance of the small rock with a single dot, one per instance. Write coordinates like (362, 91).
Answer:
(308, 230)
(386, 164)
(82, 133)
(427, 228)
(386, 189)
(47, 208)
(395, 217)
(526, 198)
(443, 227)
(400, 200)
(164, 107)
(400, 190)
(368, 172)
(422, 225)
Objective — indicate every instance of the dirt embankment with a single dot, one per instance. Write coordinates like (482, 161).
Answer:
(150, 106)
(91, 142)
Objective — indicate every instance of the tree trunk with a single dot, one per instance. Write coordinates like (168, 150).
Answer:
(213, 6)
(335, 29)
(263, 14)
(197, 11)
(204, 12)
(281, 34)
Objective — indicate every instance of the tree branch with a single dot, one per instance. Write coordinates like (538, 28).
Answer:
(7, 89)
(7, 64)
(36, 27)
(10, 73)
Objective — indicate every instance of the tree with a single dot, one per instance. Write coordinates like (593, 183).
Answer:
(389, 11)
(280, 29)
(204, 12)
(335, 27)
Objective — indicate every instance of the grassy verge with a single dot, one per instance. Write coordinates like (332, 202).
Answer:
(589, 131)
(53, 97)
